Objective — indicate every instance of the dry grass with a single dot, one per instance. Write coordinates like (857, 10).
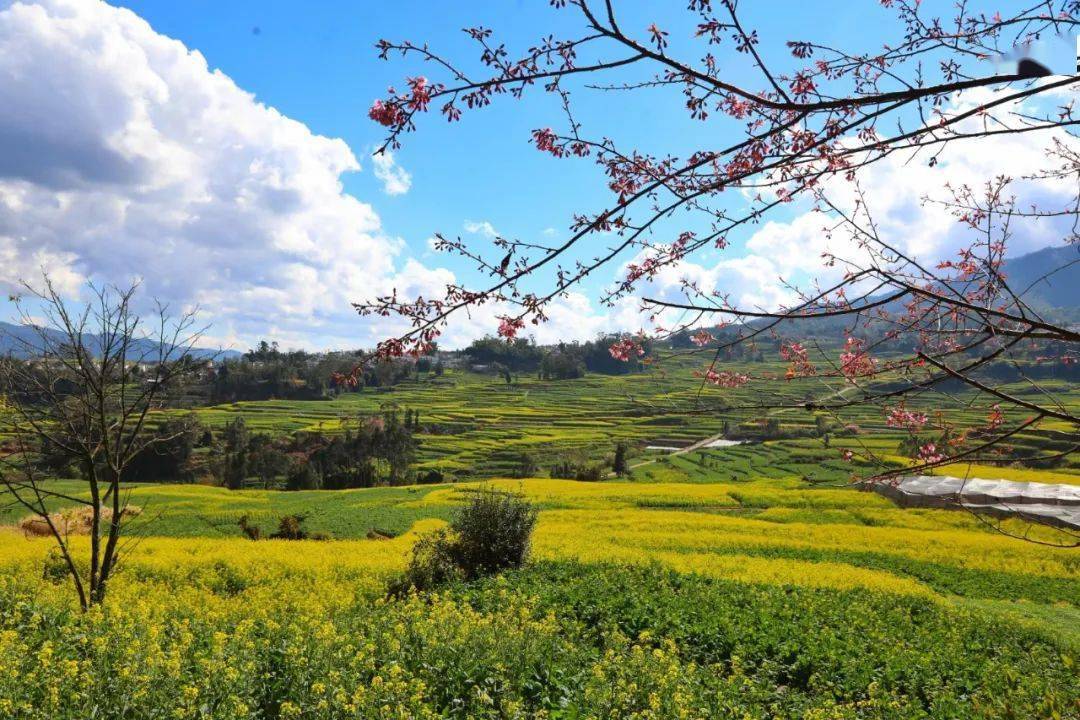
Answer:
(75, 521)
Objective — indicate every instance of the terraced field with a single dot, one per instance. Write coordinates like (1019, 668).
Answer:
(484, 425)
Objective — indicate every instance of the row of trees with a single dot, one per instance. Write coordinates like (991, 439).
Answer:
(377, 450)
(558, 362)
(374, 450)
(266, 372)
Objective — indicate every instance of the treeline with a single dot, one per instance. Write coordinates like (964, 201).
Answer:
(266, 372)
(558, 362)
(371, 451)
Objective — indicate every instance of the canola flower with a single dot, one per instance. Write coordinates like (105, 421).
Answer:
(229, 628)
(294, 648)
(807, 537)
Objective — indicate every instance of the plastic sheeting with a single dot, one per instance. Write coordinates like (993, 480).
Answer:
(1057, 505)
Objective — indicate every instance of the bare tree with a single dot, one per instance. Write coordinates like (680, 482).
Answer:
(79, 392)
(808, 129)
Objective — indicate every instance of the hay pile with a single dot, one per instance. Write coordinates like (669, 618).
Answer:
(75, 521)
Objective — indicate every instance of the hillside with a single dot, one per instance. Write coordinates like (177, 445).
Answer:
(1034, 277)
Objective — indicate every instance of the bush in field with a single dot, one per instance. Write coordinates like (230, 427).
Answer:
(568, 470)
(431, 477)
(434, 562)
(492, 533)
(291, 527)
(250, 530)
(526, 466)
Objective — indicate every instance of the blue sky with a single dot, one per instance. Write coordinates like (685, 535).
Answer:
(125, 156)
(316, 62)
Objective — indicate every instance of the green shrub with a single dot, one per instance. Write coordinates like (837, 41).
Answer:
(55, 568)
(492, 533)
(434, 562)
(525, 466)
(568, 470)
(430, 477)
(290, 527)
(619, 464)
(250, 530)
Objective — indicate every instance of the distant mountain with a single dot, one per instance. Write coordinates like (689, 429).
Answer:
(1048, 280)
(22, 341)
(1060, 290)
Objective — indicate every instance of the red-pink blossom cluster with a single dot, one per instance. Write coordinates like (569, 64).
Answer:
(420, 93)
(509, 327)
(702, 338)
(725, 378)
(388, 113)
(394, 112)
(798, 359)
(929, 453)
(901, 417)
(855, 361)
(547, 141)
(625, 349)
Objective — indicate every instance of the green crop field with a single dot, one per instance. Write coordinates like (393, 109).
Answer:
(484, 425)
(747, 581)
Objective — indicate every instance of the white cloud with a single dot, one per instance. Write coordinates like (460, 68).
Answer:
(481, 228)
(894, 189)
(395, 180)
(751, 282)
(573, 318)
(123, 155)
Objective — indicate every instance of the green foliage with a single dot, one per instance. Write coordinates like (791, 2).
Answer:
(434, 563)
(490, 534)
(526, 466)
(520, 354)
(430, 477)
(556, 640)
(619, 464)
(570, 470)
(250, 531)
(792, 651)
(475, 427)
(266, 372)
(373, 450)
(561, 365)
(168, 458)
(493, 532)
(290, 527)
(55, 568)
